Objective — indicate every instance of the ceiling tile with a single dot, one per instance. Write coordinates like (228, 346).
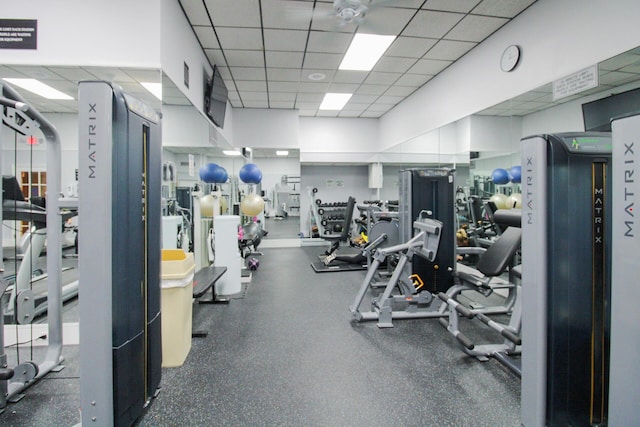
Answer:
(110, 74)
(619, 62)
(432, 24)
(286, 14)
(283, 74)
(410, 47)
(74, 74)
(284, 59)
(281, 104)
(306, 72)
(195, 11)
(282, 86)
(463, 6)
(379, 107)
(244, 58)
(616, 77)
(286, 40)
(310, 97)
(314, 87)
(349, 114)
(394, 64)
(354, 106)
(307, 105)
(215, 57)
(235, 103)
(256, 104)
(414, 80)
(225, 73)
(378, 78)
(363, 99)
(251, 85)
(207, 37)
(236, 13)
(232, 95)
(240, 38)
(282, 96)
(400, 90)
(345, 76)
(411, 4)
(41, 73)
(504, 8)
(144, 75)
(328, 42)
(386, 20)
(475, 28)
(343, 87)
(449, 50)
(328, 113)
(322, 61)
(371, 89)
(253, 96)
(307, 113)
(429, 66)
(371, 114)
(388, 99)
(248, 73)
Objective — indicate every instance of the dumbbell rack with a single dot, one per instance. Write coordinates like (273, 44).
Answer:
(325, 214)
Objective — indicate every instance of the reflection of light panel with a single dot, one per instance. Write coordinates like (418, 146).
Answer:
(365, 50)
(154, 88)
(39, 88)
(335, 101)
(231, 153)
(282, 153)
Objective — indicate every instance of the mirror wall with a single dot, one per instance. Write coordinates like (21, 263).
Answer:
(191, 141)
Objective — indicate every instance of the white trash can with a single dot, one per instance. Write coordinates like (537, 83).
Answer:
(176, 307)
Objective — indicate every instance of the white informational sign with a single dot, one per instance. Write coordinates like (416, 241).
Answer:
(575, 83)
(192, 165)
(339, 183)
(330, 183)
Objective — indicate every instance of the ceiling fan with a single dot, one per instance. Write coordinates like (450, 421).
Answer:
(342, 12)
(348, 11)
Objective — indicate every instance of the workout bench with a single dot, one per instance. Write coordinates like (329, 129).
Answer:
(203, 281)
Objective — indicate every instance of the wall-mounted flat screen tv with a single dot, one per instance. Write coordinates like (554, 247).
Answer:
(215, 99)
(597, 114)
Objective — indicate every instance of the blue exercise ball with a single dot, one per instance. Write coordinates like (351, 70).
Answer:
(250, 174)
(500, 176)
(224, 176)
(208, 172)
(516, 174)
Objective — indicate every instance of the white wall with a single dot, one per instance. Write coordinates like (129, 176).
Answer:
(556, 37)
(262, 128)
(495, 134)
(184, 126)
(117, 33)
(338, 140)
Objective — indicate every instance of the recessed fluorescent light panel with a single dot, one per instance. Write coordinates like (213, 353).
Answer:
(282, 153)
(154, 88)
(365, 51)
(231, 153)
(335, 101)
(39, 88)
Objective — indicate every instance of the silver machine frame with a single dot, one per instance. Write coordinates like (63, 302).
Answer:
(624, 374)
(19, 111)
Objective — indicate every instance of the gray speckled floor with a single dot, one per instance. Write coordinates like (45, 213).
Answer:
(287, 354)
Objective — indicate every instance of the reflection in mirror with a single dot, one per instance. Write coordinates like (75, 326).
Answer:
(496, 131)
(191, 141)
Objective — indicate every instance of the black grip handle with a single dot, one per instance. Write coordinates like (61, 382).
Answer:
(443, 297)
(443, 322)
(511, 336)
(465, 341)
(6, 374)
(464, 311)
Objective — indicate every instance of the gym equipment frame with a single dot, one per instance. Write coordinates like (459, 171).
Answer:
(119, 259)
(20, 115)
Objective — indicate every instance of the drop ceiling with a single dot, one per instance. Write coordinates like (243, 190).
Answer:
(268, 49)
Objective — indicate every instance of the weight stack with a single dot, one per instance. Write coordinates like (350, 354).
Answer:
(431, 190)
